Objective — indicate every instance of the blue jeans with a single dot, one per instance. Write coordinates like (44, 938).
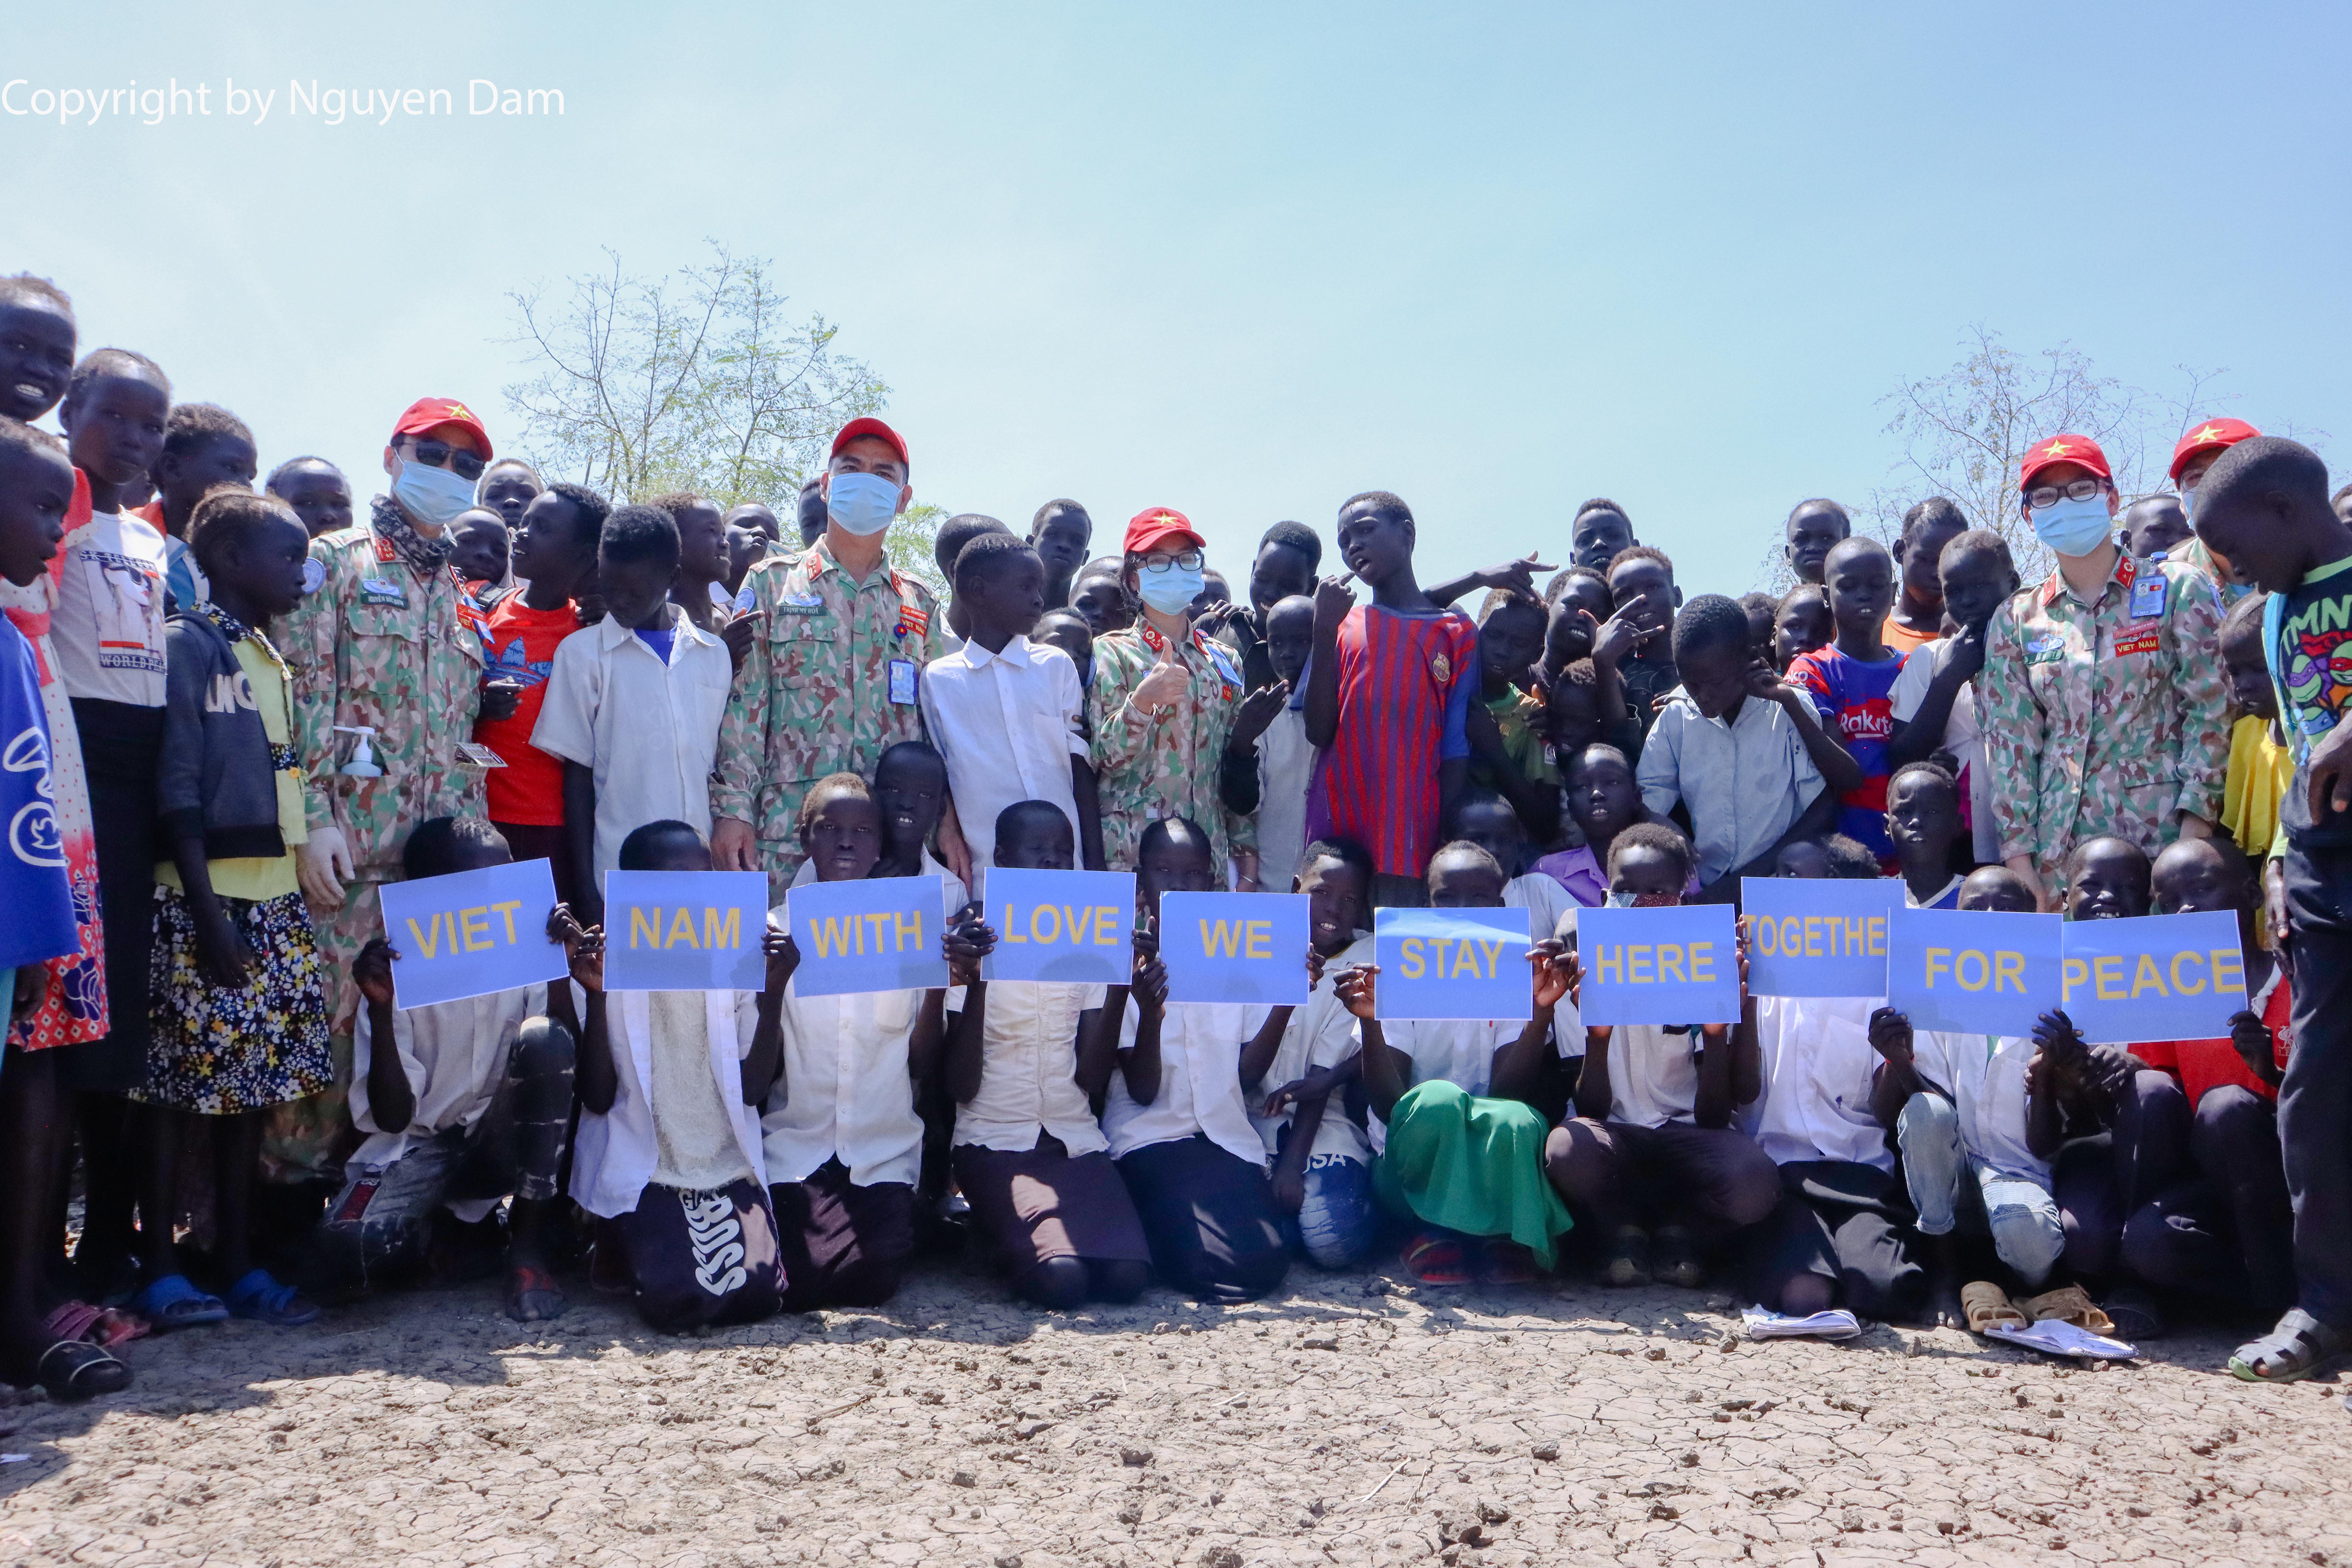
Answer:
(1339, 1221)
(2017, 1210)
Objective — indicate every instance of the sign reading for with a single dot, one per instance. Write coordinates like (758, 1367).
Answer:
(1971, 973)
(1071, 927)
(880, 934)
(471, 934)
(1452, 963)
(2160, 977)
(1813, 938)
(684, 931)
(1235, 947)
(1659, 966)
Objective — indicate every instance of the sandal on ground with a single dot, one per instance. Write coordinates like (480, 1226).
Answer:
(174, 1302)
(105, 1327)
(1436, 1260)
(73, 1369)
(533, 1296)
(2135, 1315)
(2072, 1304)
(1678, 1262)
(259, 1297)
(2299, 1346)
(1629, 1259)
(1505, 1262)
(1987, 1305)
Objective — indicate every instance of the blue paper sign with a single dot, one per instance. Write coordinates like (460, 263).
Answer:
(1071, 927)
(684, 931)
(1809, 937)
(2162, 977)
(1452, 963)
(1235, 947)
(1972, 972)
(1659, 966)
(471, 934)
(871, 935)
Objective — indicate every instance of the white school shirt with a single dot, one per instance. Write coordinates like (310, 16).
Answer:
(846, 1091)
(1652, 1074)
(1200, 1082)
(1028, 1069)
(953, 896)
(1985, 1075)
(1744, 781)
(1321, 1033)
(1963, 736)
(649, 731)
(1286, 767)
(1461, 1051)
(1818, 1070)
(108, 627)
(1008, 725)
(1541, 897)
(453, 1054)
(613, 1157)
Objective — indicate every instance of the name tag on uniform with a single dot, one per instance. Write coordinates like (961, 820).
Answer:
(801, 605)
(382, 590)
(902, 681)
(2147, 595)
(2136, 639)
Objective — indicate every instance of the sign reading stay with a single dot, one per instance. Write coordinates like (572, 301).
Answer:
(472, 934)
(1969, 972)
(1658, 966)
(1235, 947)
(1452, 963)
(1809, 937)
(878, 934)
(2159, 977)
(1071, 927)
(684, 931)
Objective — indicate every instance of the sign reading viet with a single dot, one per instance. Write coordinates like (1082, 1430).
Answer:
(1069, 927)
(1235, 947)
(1808, 937)
(2160, 977)
(1971, 973)
(684, 931)
(472, 934)
(1659, 966)
(1452, 963)
(877, 934)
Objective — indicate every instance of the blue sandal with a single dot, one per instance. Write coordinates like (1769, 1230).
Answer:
(174, 1302)
(259, 1296)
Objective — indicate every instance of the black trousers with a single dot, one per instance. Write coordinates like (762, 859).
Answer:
(1848, 1223)
(842, 1245)
(703, 1258)
(2314, 1115)
(1209, 1217)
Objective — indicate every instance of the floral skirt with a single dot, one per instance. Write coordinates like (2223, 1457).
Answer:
(217, 1052)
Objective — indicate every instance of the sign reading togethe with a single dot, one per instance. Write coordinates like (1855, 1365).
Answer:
(1809, 937)
(684, 931)
(1967, 972)
(1071, 927)
(2160, 977)
(1658, 966)
(878, 934)
(473, 934)
(1235, 947)
(1452, 963)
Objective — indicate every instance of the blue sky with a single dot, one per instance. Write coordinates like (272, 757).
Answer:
(1245, 260)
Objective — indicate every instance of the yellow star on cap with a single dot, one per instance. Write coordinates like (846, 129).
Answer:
(2210, 433)
(458, 411)
(2056, 449)
(1167, 517)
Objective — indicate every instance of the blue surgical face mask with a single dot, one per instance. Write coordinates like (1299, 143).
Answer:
(433, 497)
(864, 504)
(2074, 527)
(2188, 502)
(1172, 592)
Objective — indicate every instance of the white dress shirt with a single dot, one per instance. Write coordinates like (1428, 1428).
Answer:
(1286, 767)
(1321, 1033)
(1652, 1075)
(615, 1154)
(1744, 781)
(1541, 897)
(847, 1091)
(1029, 1067)
(1963, 736)
(454, 1056)
(649, 731)
(1008, 725)
(1985, 1075)
(1200, 1082)
(1818, 1069)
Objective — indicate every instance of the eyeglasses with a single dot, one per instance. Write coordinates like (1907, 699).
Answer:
(2073, 490)
(441, 454)
(1189, 559)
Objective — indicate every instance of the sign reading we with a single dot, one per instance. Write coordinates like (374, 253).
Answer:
(684, 931)
(1969, 972)
(1812, 938)
(1452, 963)
(2159, 977)
(472, 934)
(877, 934)
(1658, 966)
(1235, 947)
(1070, 927)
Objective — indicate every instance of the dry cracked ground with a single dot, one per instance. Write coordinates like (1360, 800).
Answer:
(1346, 1421)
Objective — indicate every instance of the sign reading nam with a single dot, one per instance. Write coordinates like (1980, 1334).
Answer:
(684, 931)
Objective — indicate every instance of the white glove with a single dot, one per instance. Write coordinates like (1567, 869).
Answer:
(322, 865)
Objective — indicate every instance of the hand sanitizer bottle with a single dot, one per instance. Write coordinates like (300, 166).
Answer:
(363, 764)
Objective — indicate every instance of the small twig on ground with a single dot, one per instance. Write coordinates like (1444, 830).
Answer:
(837, 1410)
(1384, 1480)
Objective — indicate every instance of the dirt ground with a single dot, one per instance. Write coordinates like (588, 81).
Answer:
(1352, 1419)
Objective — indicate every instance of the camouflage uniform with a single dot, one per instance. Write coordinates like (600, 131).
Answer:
(814, 696)
(2105, 718)
(1149, 766)
(377, 645)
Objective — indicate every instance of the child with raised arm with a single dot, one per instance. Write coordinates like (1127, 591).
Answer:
(1849, 681)
(1933, 700)
(1642, 596)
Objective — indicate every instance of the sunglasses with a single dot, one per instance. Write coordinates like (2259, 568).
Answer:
(441, 454)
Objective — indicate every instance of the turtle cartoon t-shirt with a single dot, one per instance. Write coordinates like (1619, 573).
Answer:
(2307, 637)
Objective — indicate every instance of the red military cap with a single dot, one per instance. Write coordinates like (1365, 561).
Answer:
(2210, 436)
(1155, 526)
(858, 429)
(427, 412)
(2063, 448)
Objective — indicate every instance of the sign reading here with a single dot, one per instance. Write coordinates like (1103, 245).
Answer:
(1812, 938)
(684, 931)
(1968, 971)
(2158, 977)
(1235, 947)
(1452, 963)
(1659, 966)
(1068, 927)
(473, 934)
(878, 934)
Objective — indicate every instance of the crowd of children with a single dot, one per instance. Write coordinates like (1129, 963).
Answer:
(233, 715)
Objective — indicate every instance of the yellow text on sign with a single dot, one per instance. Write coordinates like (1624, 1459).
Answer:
(879, 932)
(1819, 936)
(1973, 969)
(1237, 938)
(2191, 972)
(1073, 924)
(1653, 963)
(653, 926)
(1471, 957)
(466, 930)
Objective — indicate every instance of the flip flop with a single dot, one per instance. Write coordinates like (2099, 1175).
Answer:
(259, 1297)
(1986, 1304)
(1508, 1263)
(71, 1369)
(2299, 1346)
(1436, 1260)
(2073, 1304)
(104, 1327)
(533, 1297)
(174, 1302)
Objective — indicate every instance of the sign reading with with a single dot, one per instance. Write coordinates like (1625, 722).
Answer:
(684, 931)
(1071, 927)
(1452, 963)
(1973, 973)
(1235, 947)
(472, 934)
(1659, 966)
(1812, 938)
(2160, 977)
(879, 934)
